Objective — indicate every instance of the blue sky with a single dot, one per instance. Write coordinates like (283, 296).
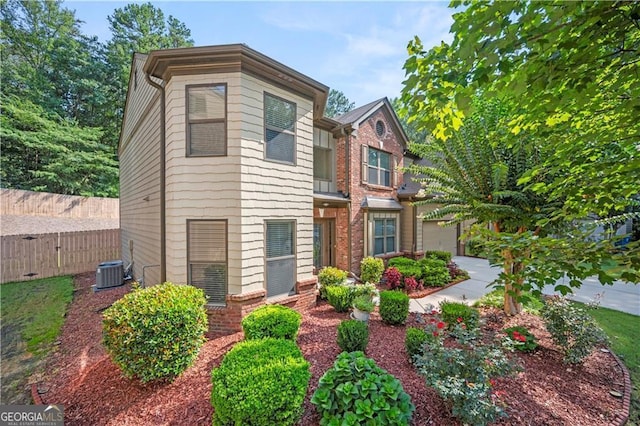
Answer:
(356, 47)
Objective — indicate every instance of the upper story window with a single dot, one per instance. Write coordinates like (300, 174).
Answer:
(376, 166)
(279, 129)
(322, 163)
(207, 120)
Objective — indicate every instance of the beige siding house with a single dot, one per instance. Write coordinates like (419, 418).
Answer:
(232, 180)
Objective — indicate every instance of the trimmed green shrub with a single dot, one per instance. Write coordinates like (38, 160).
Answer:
(340, 297)
(456, 312)
(414, 341)
(260, 382)
(394, 307)
(445, 256)
(407, 267)
(434, 272)
(355, 391)
(371, 269)
(277, 321)
(495, 299)
(330, 276)
(572, 329)
(156, 332)
(353, 335)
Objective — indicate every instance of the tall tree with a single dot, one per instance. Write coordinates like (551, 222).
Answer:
(138, 27)
(414, 135)
(338, 104)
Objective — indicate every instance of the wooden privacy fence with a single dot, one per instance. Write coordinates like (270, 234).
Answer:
(26, 257)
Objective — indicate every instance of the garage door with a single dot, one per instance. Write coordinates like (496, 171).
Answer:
(436, 237)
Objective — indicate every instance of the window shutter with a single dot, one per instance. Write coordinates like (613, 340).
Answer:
(365, 163)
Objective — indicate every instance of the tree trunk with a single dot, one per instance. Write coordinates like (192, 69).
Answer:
(511, 291)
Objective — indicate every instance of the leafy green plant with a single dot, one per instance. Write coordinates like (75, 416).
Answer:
(355, 391)
(156, 333)
(330, 276)
(462, 376)
(275, 321)
(368, 289)
(260, 382)
(407, 267)
(340, 297)
(572, 328)
(371, 269)
(445, 256)
(434, 272)
(495, 299)
(458, 312)
(520, 338)
(364, 303)
(353, 335)
(394, 307)
(414, 341)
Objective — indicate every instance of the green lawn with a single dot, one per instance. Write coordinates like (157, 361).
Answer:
(32, 315)
(624, 334)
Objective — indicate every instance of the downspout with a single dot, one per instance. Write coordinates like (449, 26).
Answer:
(163, 178)
(347, 169)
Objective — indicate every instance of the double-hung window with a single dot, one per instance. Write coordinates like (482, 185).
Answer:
(280, 257)
(207, 258)
(207, 120)
(377, 166)
(322, 160)
(384, 235)
(279, 129)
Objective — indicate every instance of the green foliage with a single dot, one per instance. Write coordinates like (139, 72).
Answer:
(414, 341)
(452, 312)
(521, 339)
(394, 307)
(495, 299)
(260, 382)
(330, 276)
(338, 104)
(340, 297)
(369, 290)
(364, 303)
(462, 376)
(353, 335)
(474, 247)
(434, 272)
(277, 321)
(371, 269)
(407, 267)
(356, 391)
(156, 333)
(571, 328)
(445, 256)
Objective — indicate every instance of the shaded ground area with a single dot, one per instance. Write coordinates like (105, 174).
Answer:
(93, 391)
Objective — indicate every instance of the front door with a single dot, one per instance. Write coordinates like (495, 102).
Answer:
(323, 243)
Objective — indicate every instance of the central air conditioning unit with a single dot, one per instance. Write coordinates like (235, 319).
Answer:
(109, 274)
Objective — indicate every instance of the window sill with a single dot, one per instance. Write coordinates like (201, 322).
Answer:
(378, 187)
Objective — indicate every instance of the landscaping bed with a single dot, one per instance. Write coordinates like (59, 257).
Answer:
(93, 390)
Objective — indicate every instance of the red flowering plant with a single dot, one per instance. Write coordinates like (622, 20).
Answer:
(411, 284)
(393, 278)
(519, 338)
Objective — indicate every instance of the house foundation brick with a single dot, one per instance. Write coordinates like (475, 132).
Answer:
(228, 319)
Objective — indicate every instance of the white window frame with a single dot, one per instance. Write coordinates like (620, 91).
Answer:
(271, 127)
(370, 237)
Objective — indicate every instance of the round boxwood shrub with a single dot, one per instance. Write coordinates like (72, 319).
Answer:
(394, 307)
(414, 341)
(434, 272)
(261, 383)
(353, 335)
(275, 321)
(340, 297)
(454, 312)
(330, 276)
(371, 269)
(355, 391)
(156, 332)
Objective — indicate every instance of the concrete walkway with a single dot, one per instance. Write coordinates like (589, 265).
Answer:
(619, 296)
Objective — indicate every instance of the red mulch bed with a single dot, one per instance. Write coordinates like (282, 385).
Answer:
(83, 379)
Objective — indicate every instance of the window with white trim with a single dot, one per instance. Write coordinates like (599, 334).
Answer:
(383, 233)
(207, 258)
(377, 167)
(206, 120)
(280, 257)
(279, 129)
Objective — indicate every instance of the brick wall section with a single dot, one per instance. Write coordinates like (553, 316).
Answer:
(391, 143)
(341, 217)
(228, 319)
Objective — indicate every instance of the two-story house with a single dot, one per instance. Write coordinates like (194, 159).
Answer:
(232, 180)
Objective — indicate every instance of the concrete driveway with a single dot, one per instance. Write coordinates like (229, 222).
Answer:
(619, 296)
